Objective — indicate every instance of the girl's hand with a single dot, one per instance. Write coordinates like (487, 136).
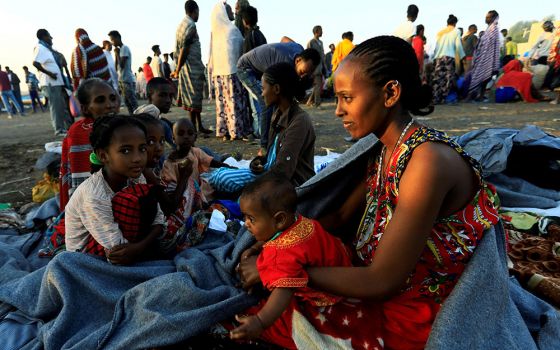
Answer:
(250, 328)
(125, 254)
(248, 273)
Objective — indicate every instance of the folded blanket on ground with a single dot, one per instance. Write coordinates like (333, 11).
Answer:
(86, 303)
(522, 164)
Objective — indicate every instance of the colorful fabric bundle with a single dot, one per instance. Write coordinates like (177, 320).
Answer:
(515, 77)
(134, 209)
(486, 59)
(88, 60)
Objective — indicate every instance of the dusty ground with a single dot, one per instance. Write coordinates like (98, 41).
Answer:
(22, 140)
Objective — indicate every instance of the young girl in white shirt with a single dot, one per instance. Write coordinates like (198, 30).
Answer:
(93, 225)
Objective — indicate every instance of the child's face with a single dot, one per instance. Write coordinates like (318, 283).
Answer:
(184, 135)
(261, 224)
(162, 98)
(103, 100)
(156, 142)
(126, 155)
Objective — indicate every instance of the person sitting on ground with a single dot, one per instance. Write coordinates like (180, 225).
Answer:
(289, 244)
(181, 172)
(419, 191)
(155, 140)
(542, 46)
(160, 93)
(253, 35)
(291, 141)
(539, 71)
(254, 63)
(96, 215)
(97, 98)
(521, 81)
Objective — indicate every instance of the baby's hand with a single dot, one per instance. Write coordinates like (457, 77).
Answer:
(185, 168)
(250, 328)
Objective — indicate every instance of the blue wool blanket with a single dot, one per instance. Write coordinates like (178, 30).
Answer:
(86, 303)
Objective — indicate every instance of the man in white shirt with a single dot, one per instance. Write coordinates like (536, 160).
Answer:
(157, 64)
(51, 82)
(107, 49)
(406, 30)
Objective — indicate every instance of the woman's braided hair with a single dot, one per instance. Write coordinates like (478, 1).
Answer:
(388, 58)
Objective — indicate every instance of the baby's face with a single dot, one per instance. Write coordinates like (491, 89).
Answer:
(258, 222)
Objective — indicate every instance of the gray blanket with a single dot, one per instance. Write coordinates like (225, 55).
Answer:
(86, 303)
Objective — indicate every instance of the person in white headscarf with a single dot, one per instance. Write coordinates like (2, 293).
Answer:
(232, 113)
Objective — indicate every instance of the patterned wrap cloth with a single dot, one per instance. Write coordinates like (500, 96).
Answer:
(191, 76)
(408, 317)
(88, 60)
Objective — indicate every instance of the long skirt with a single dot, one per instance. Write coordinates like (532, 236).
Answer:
(443, 78)
(232, 110)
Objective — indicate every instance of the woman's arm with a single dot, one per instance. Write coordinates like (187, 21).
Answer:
(252, 326)
(430, 175)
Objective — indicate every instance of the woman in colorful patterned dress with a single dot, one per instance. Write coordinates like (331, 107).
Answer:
(425, 205)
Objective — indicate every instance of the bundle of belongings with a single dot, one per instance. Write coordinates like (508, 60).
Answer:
(524, 165)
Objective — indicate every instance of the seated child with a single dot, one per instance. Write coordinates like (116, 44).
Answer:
(290, 243)
(97, 98)
(291, 142)
(155, 140)
(93, 214)
(160, 97)
(181, 174)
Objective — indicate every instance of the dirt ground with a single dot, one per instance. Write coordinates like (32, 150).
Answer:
(22, 139)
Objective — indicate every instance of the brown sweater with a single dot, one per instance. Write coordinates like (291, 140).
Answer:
(295, 147)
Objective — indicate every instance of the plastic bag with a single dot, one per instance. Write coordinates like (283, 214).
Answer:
(45, 189)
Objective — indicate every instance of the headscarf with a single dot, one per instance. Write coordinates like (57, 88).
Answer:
(149, 109)
(515, 77)
(486, 58)
(226, 42)
(88, 60)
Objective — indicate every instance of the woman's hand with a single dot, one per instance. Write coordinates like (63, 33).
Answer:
(248, 273)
